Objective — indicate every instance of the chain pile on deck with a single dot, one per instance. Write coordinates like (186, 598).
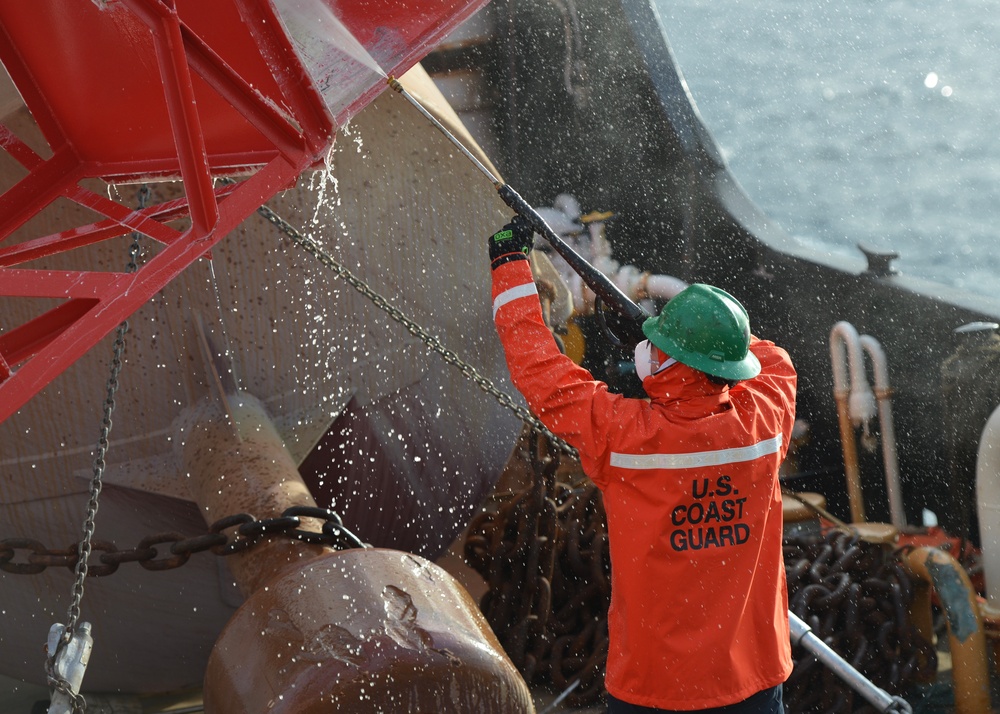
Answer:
(856, 597)
(543, 550)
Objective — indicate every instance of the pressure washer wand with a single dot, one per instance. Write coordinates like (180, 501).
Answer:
(603, 287)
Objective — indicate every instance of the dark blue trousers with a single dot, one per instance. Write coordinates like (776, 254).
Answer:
(767, 701)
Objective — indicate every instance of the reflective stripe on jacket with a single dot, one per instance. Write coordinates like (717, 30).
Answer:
(699, 609)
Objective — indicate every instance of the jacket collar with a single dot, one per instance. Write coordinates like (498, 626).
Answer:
(679, 384)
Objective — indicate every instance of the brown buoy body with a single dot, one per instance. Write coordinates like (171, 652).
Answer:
(322, 630)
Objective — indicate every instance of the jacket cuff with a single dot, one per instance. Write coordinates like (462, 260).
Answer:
(507, 258)
(510, 274)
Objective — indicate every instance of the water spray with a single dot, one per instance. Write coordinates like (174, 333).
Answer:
(604, 289)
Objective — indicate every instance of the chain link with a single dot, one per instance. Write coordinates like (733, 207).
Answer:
(84, 547)
(97, 481)
(229, 535)
(78, 705)
(431, 341)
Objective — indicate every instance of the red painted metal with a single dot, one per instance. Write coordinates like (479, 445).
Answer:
(129, 90)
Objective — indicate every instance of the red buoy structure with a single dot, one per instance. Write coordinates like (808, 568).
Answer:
(252, 89)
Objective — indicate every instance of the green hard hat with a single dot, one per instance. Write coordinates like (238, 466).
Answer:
(708, 329)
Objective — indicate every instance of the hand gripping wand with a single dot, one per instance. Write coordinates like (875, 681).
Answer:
(604, 289)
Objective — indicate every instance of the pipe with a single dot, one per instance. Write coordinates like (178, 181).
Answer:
(663, 287)
(988, 491)
(802, 634)
(854, 405)
(966, 635)
(884, 395)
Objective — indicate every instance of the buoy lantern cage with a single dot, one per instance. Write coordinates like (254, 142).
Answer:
(146, 90)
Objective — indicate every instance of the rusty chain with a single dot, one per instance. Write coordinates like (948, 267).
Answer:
(543, 551)
(856, 597)
(226, 536)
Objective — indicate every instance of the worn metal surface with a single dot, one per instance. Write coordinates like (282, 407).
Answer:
(236, 463)
(399, 635)
(944, 578)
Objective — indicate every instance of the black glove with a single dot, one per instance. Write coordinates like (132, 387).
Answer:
(512, 242)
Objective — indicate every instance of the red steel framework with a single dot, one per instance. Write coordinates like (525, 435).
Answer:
(136, 90)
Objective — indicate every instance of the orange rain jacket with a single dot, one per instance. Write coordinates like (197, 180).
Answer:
(699, 606)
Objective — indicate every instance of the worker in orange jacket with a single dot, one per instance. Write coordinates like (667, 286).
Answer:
(699, 608)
